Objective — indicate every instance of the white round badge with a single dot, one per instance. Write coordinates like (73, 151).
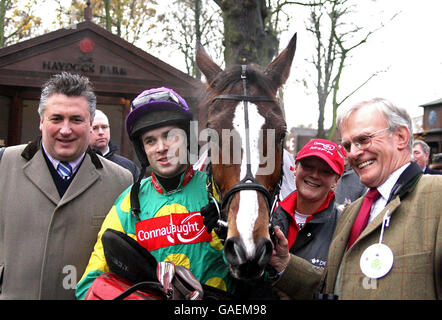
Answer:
(376, 261)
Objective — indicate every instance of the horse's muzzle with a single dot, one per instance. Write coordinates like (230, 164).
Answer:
(243, 266)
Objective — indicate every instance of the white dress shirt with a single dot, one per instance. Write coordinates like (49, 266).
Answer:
(385, 190)
(74, 164)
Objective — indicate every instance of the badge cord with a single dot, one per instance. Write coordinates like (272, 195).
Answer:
(385, 223)
(379, 249)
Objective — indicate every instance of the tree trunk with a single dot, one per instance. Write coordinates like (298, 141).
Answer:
(246, 38)
(108, 15)
(196, 71)
(3, 4)
(321, 104)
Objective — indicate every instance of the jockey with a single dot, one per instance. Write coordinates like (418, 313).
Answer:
(162, 211)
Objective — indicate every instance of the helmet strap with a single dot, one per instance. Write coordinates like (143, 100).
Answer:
(134, 193)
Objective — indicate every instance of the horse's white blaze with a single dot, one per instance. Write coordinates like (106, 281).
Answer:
(248, 201)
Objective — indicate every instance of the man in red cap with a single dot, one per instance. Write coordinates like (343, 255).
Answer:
(308, 215)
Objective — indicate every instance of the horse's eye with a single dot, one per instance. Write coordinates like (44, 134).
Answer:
(213, 84)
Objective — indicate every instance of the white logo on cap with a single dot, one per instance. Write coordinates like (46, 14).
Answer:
(326, 146)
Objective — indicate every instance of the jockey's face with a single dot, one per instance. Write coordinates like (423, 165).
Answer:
(166, 150)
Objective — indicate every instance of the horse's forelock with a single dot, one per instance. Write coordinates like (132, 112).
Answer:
(229, 81)
(229, 78)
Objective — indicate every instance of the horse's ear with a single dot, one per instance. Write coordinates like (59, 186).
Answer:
(209, 68)
(279, 68)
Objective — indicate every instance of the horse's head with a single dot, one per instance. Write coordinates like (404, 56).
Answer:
(247, 130)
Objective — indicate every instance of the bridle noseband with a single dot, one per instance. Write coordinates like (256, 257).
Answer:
(248, 182)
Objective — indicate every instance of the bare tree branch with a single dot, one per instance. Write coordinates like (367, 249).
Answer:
(334, 37)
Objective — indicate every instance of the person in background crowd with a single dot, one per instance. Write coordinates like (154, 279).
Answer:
(308, 216)
(421, 154)
(388, 244)
(55, 194)
(288, 184)
(100, 142)
(158, 126)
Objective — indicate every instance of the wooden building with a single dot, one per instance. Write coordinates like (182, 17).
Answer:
(432, 126)
(118, 70)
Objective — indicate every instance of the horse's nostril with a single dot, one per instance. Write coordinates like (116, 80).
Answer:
(234, 251)
(241, 265)
(263, 252)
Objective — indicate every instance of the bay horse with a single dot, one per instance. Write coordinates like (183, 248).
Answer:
(246, 165)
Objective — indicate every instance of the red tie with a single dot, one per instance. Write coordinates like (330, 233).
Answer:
(362, 219)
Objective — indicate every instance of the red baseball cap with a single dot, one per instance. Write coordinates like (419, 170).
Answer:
(328, 151)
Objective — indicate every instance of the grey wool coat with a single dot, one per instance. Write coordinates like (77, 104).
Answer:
(45, 241)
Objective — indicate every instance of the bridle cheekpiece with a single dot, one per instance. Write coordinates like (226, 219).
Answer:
(248, 182)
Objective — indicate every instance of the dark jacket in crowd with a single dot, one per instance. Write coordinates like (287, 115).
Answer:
(349, 188)
(122, 161)
(313, 240)
(431, 171)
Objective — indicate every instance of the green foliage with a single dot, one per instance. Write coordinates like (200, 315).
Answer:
(17, 21)
(187, 23)
(130, 19)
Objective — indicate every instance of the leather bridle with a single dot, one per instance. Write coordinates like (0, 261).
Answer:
(248, 182)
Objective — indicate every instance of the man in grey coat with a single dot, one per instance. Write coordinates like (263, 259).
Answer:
(56, 193)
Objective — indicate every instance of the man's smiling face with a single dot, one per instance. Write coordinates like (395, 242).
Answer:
(65, 126)
(375, 163)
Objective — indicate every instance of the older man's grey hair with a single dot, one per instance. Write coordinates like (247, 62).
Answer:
(396, 116)
(71, 85)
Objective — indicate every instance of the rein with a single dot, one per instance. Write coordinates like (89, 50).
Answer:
(248, 182)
